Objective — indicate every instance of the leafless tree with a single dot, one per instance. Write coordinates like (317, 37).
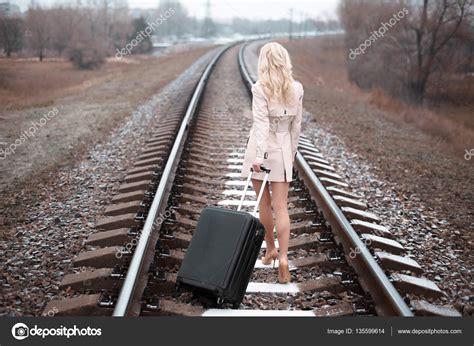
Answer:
(66, 22)
(433, 26)
(411, 51)
(89, 45)
(38, 31)
(176, 25)
(11, 34)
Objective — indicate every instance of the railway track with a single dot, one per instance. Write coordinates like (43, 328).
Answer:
(343, 261)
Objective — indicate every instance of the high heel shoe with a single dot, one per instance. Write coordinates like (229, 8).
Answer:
(284, 275)
(269, 257)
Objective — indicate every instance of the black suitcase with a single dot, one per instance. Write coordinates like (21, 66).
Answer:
(223, 252)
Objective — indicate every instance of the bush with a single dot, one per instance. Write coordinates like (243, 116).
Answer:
(87, 57)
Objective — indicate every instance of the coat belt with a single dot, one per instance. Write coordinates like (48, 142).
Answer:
(280, 127)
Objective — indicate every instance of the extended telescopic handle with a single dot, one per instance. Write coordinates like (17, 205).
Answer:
(260, 193)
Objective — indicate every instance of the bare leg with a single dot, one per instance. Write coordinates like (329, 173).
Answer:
(280, 206)
(266, 215)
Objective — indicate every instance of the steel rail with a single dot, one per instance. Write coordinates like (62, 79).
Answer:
(373, 279)
(243, 69)
(128, 303)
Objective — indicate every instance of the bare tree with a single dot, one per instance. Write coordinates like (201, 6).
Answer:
(11, 34)
(89, 45)
(410, 51)
(177, 24)
(66, 21)
(120, 23)
(435, 24)
(39, 31)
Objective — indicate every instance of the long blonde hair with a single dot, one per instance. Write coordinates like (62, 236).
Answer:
(275, 73)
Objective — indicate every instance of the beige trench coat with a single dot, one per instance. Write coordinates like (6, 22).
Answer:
(273, 139)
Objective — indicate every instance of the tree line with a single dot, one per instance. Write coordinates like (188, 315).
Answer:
(88, 33)
(84, 34)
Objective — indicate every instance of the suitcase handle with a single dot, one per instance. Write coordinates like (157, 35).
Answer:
(260, 193)
(266, 170)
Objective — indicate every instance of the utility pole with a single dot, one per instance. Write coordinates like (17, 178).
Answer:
(300, 26)
(208, 9)
(291, 24)
(207, 20)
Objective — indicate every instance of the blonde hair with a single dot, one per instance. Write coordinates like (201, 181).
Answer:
(275, 73)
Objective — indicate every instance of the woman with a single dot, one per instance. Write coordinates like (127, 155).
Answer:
(277, 108)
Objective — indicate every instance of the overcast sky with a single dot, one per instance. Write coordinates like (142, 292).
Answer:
(225, 9)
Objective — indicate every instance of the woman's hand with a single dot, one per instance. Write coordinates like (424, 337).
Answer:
(256, 167)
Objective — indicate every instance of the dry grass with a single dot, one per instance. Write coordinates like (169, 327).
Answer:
(455, 88)
(447, 128)
(454, 98)
(28, 83)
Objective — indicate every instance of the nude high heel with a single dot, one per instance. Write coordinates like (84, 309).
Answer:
(268, 258)
(284, 275)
